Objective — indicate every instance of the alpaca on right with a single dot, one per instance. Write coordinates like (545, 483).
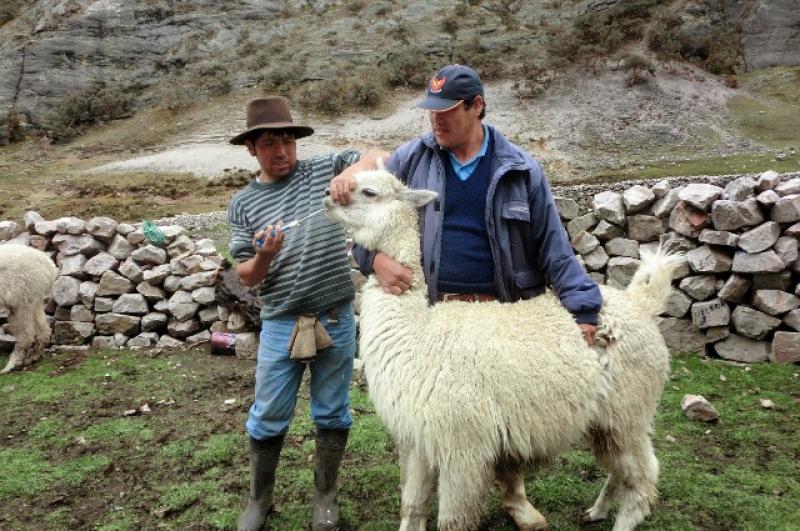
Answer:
(471, 391)
(27, 276)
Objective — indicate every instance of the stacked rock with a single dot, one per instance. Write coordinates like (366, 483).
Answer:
(736, 294)
(117, 289)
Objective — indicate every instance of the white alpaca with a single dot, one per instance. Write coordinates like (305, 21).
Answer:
(26, 278)
(470, 391)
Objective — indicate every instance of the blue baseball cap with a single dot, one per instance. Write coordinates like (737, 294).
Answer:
(450, 86)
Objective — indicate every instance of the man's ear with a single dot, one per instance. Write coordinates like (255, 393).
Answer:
(250, 147)
(419, 198)
(478, 108)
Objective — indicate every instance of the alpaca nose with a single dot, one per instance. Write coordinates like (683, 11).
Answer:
(327, 192)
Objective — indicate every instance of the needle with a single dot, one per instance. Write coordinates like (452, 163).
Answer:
(291, 224)
(299, 221)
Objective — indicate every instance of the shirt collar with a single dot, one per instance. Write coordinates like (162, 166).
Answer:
(479, 154)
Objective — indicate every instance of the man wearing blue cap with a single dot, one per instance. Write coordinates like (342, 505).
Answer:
(493, 234)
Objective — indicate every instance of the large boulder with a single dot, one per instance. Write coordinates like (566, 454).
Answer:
(770, 34)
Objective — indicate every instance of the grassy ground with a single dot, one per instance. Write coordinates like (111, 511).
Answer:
(55, 184)
(70, 459)
(728, 165)
(772, 113)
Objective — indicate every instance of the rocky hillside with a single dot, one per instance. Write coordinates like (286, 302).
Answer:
(64, 62)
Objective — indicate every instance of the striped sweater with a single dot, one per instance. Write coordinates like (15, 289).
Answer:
(311, 272)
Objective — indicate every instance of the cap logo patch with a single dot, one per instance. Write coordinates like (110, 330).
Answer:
(437, 84)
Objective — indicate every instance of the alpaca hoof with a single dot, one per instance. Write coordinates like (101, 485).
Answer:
(587, 518)
(539, 526)
(532, 521)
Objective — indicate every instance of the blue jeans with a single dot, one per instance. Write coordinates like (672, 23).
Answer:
(278, 378)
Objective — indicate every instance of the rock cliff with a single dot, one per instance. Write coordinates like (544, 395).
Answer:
(770, 31)
(118, 55)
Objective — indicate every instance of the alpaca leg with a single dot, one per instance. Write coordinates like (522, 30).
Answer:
(633, 473)
(416, 484)
(43, 330)
(512, 494)
(13, 362)
(23, 329)
(637, 468)
(605, 444)
(599, 510)
(462, 490)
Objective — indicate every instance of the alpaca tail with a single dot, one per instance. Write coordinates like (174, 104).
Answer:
(652, 283)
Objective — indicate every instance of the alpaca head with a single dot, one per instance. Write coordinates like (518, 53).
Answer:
(379, 207)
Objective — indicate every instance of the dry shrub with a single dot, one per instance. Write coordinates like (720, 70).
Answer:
(409, 66)
(334, 96)
(637, 65)
(486, 61)
(9, 9)
(98, 103)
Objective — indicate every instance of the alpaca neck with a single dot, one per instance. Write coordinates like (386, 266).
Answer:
(403, 246)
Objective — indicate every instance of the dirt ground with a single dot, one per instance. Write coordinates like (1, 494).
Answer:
(124, 440)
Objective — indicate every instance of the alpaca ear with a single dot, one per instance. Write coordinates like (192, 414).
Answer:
(418, 197)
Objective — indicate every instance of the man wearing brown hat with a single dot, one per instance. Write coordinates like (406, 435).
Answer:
(304, 282)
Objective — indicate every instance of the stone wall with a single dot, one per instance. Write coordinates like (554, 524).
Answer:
(736, 293)
(117, 289)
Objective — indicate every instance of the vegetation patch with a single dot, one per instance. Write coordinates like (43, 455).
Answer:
(98, 103)
(771, 114)
(184, 464)
(704, 165)
(119, 429)
(9, 9)
(361, 90)
(28, 473)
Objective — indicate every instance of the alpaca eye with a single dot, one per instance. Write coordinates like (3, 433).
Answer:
(366, 192)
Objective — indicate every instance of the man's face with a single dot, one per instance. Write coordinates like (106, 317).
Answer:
(276, 153)
(452, 128)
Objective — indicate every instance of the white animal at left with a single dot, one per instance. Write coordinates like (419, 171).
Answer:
(27, 276)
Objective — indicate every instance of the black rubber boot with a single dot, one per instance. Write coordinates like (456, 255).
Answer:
(330, 447)
(263, 462)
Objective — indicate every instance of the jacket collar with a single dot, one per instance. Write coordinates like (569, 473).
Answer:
(505, 154)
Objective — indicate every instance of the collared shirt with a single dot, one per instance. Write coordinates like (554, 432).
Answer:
(463, 171)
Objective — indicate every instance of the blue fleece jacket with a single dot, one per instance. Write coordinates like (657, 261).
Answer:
(530, 248)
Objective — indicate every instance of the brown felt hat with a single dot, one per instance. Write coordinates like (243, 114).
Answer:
(270, 113)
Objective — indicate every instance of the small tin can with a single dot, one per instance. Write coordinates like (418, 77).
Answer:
(222, 344)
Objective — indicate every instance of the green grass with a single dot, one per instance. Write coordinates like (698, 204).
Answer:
(728, 165)
(125, 428)
(70, 460)
(28, 473)
(218, 449)
(771, 114)
(766, 121)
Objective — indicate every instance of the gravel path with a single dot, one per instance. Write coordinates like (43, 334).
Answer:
(583, 123)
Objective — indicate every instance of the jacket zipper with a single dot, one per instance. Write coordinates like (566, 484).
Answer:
(502, 171)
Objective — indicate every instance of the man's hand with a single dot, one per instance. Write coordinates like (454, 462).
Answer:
(342, 185)
(269, 241)
(393, 276)
(588, 330)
